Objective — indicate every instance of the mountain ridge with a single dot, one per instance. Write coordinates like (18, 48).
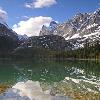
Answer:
(79, 26)
(70, 35)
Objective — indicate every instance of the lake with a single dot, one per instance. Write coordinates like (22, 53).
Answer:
(72, 78)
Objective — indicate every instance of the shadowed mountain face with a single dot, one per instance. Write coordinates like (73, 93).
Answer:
(8, 39)
(52, 42)
(7, 43)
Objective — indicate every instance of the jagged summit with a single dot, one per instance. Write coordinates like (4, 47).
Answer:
(2, 22)
(48, 30)
(81, 25)
(8, 39)
(6, 31)
(97, 11)
(53, 24)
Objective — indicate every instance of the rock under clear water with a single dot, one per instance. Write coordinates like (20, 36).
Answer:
(29, 91)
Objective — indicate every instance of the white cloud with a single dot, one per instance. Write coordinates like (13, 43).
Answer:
(3, 15)
(40, 3)
(29, 5)
(22, 17)
(32, 26)
(25, 17)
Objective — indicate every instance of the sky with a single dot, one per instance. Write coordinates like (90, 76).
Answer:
(28, 16)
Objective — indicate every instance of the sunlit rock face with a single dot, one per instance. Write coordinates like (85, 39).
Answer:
(29, 91)
(48, 30)
(76, 31)
(81, 25)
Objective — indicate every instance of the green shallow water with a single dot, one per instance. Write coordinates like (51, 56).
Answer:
(14, 71)
(81, 76)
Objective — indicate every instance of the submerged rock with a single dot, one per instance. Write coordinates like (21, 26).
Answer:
(29, 91)
(3, 88)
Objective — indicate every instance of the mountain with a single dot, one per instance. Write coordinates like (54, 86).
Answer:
(79, 37)
(22, 37)
(48, 30)
(8, 39)
(82, 25)
(69, 35)
(53, 42)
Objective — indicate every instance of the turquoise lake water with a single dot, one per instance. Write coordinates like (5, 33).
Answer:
(84, 75)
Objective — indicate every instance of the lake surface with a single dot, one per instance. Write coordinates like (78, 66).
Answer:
(61, 77)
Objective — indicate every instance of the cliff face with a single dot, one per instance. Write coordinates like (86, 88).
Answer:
(52, 42)
(8, 39)
(82, 25)
(48, 30)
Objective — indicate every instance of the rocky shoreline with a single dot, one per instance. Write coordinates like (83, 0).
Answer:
(3, 88)
(7, 93)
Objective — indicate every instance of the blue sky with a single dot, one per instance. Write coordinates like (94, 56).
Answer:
(59, 10)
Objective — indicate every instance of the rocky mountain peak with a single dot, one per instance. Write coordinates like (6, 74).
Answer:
(43, 27)
(79, 15)
(48, 30)
(97, 11)
(81, 25)
(3, 23)
(8, 38)
(53, 24)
